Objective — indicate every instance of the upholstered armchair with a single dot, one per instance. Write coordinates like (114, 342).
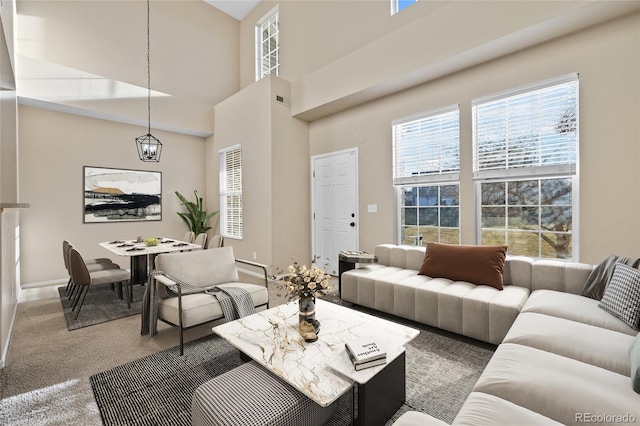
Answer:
(178, 285)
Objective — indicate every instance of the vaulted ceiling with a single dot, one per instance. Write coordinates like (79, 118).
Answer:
(90, 58)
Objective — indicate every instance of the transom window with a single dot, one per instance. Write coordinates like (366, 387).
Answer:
(231, 192)
(525, 167)
(426, 168)
(398, 5)
(268, 45)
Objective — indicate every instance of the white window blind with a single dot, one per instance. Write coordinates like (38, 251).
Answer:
(427, 148)
(231, 192)
(531, 131)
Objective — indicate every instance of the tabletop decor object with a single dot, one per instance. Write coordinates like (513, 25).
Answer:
(304, 283)
(150, 242)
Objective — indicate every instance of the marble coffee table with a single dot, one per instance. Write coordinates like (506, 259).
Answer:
(322, 370)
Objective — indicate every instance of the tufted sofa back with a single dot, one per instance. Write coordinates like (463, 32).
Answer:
(522, 271)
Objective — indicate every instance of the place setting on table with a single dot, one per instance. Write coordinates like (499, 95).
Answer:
(142, 252)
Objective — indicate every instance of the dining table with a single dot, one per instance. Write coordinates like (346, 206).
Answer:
(142, 256)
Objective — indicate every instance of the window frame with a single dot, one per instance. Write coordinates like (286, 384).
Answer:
(434, 179)
(230, 230)
(568, 170)
(438, 206)
(259, 42)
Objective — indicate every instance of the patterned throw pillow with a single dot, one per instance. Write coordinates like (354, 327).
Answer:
(622, 297)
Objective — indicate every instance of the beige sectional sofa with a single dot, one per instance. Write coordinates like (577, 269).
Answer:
(560, 360)
(482, 312)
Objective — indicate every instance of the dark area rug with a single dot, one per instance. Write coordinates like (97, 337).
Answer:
(100, 305)
(442, 369)
(157, 389)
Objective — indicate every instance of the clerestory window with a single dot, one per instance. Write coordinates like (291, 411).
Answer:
(268, 45)
(398, 5)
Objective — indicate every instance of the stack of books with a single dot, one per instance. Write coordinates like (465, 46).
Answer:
(361, 254)
(365, 353)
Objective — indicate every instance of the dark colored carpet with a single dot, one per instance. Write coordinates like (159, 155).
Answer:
(156, 390)
(100, 305)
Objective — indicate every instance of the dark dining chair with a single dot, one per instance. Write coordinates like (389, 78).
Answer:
(82, 279)
(93, 265)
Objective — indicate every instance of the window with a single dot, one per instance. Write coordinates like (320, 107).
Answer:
(525, 167)
(231, 192)
(268, 45)
(426, 168)
(398, 5)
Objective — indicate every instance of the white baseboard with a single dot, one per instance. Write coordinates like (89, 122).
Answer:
(45, 283)
(5, 350)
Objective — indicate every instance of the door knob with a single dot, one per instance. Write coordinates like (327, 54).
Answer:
(352, 224)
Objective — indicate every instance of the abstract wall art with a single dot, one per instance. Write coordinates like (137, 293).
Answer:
(120, 195)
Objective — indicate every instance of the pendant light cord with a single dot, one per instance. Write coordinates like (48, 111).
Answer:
(148, 71)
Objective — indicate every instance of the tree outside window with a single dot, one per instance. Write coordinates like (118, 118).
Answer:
(525, 168)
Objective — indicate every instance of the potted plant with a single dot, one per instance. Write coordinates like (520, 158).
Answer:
(196, 218)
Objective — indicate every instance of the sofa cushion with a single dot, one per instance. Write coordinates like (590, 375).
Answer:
(601, 275)
(575, 308)
(201, 268)
(483, 409)
(557, 387)
(634, 355)
(417, 418)
(473, 264)
(622, 297)
(349, 280)
(582, 342)
(200, 308)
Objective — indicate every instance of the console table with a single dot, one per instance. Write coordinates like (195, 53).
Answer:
(347, 261)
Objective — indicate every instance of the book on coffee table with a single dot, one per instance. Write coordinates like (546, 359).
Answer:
(368, 364)
(365, 353)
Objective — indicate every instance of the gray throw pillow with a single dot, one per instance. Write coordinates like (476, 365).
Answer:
(601, 275)
(622, 297)
(634, 354)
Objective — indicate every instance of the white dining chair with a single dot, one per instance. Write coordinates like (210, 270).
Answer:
(188, 237)
(201, 240)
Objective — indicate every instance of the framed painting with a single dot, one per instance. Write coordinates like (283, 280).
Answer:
(120, 195)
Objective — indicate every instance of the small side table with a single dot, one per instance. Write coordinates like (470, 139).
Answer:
(347, 261)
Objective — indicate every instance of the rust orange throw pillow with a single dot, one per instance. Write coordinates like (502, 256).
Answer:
(474, 264)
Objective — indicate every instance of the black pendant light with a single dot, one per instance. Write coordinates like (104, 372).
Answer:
(149, 147)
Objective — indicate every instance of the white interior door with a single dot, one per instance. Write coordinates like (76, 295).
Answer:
(335, 206)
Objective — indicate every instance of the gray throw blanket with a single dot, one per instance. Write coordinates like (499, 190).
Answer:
(599, 279)
(234, 301)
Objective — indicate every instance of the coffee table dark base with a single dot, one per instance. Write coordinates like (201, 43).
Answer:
(383, 395)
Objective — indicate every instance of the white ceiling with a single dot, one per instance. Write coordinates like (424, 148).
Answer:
(236, 8)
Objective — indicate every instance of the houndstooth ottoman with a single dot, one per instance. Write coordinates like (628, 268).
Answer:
(249, 395)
